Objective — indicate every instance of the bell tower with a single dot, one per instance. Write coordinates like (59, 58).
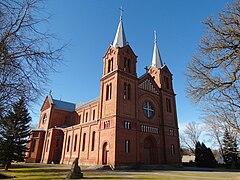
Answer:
(118, 82)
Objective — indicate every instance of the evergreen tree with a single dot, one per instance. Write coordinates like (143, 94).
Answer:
(230, 150)
(14, 130)
(204, 156)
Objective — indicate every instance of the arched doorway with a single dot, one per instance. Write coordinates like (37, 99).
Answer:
(105, 154)
(150, 150)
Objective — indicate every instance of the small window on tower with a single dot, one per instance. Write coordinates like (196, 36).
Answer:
(168, 105)
(172, 149)
(93, 116)
(108, 91)
(127, 65)
(127, 146)
(44, 118)
(166, 82)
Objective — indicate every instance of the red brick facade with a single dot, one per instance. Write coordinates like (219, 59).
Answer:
(133, 122)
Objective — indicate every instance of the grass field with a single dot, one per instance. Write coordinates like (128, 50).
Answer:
(48, 171)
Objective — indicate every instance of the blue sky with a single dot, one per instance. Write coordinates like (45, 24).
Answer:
(89, 26)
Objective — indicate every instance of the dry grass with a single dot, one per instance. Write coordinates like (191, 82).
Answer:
(49, 171)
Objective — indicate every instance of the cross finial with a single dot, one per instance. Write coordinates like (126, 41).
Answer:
(155, 36)
(121, 11)
(50, 92)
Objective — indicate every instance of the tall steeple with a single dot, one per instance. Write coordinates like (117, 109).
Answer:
(156, 58)
(120, 38)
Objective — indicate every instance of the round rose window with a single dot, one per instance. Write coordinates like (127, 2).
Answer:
(148, 109)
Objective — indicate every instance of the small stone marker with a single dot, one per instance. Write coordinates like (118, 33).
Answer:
(75, 171)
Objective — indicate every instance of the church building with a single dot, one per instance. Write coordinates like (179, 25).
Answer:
(132, 123)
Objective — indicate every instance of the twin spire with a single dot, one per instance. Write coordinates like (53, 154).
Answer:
(120, 38)
(156, 58)
(120, 41)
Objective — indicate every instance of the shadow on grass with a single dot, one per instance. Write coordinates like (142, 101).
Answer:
(38, 170)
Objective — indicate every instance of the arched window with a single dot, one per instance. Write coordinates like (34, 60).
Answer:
(127, 146)
(83, 142)
(127, 91)
(93, 140)
(44, 118)
(110, 65)
(172, 149)
(86, 118)
(108, 91)
(75, 143)
(168, 105)
(68, 144)
(93, 116)
(166, 82)
(127, 65)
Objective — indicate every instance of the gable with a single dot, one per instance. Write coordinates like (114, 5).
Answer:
(147, 83)
(46, 104)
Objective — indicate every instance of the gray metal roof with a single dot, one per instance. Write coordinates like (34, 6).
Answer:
(62, 105)
(156, 58)
(120, 38)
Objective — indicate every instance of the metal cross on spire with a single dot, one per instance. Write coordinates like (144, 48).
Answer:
(121, 11)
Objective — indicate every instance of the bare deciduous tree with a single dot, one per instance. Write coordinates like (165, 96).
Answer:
(190, 136)
(27, 54)
(213, 75)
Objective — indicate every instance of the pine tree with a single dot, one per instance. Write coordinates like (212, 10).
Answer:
(230, 150)
(204, 156)
(14, 130)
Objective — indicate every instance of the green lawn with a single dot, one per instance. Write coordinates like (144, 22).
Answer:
(49, 171)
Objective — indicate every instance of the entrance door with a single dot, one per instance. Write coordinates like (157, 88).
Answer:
(105, 154)
(150, 151)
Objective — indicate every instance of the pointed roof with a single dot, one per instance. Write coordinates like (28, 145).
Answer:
(120, 38)
(156, 58)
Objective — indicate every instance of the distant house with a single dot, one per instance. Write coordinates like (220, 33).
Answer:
(188, 158)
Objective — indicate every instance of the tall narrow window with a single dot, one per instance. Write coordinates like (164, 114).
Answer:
(172, 149)
(129, 92)
(166, 82)
(83, 142)
(93, 140)
(168, 105)
(93, 116)
(108, 91)
(127, 146)
(44, 118)
(68, 144)
(75, 143)
(129, 65)
(125, 91)
(110, 65)
(33, 144)
(86, 118)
